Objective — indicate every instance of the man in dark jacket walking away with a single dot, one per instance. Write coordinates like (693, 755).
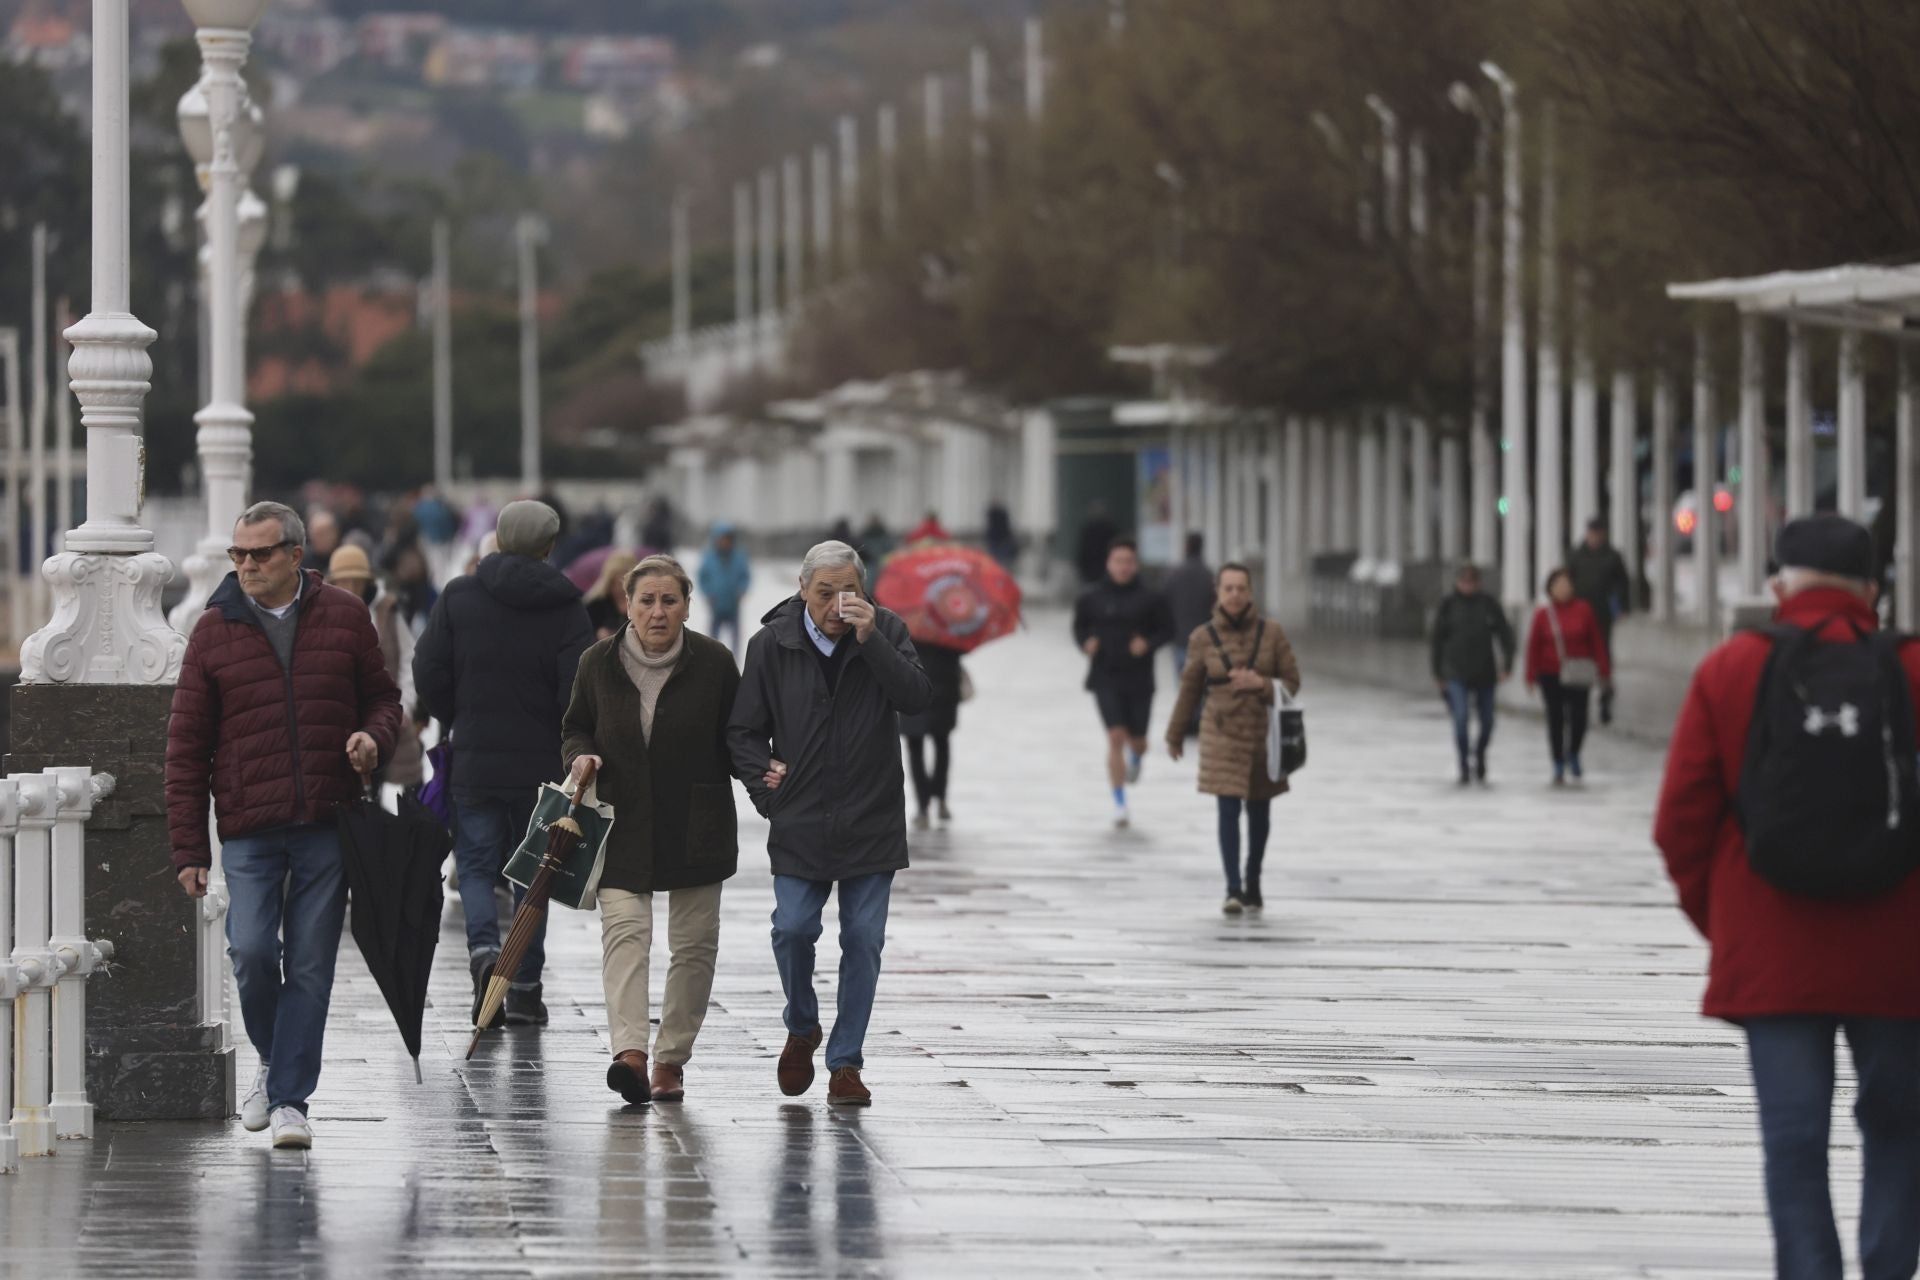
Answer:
(1118, 624)
(1190, 597)
(1793, 760)
(1473, 648)
(1600, 578)
(497, 662)
(283, 697)
(812, 735)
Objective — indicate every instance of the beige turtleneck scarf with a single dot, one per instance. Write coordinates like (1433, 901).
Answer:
(648, 673)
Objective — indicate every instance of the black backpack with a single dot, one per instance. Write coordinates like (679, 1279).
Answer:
(1830, 790)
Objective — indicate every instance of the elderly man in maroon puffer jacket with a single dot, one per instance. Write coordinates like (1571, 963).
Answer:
(283, 697)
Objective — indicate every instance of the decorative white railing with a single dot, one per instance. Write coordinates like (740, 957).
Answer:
(45, 958)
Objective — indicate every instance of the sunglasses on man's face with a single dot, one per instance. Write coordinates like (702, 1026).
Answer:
(260, 554)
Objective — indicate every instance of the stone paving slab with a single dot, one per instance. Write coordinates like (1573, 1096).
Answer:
(1461, 1042)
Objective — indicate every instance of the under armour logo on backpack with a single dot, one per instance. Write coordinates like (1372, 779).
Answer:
(1846, 720)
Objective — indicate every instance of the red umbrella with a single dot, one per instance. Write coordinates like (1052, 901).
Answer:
(950, 595)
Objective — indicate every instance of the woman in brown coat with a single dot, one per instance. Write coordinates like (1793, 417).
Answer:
(1236, 656)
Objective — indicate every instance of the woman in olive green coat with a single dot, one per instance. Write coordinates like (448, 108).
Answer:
(649, 715)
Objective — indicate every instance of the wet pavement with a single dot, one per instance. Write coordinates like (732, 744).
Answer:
(1460, 1042)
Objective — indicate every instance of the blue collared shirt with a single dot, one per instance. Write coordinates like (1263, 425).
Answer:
(821, 640)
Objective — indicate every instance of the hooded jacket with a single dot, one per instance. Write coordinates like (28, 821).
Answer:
(270, 741)
(497, 663)
(841, 810)
(1773, 952)
(724, 575)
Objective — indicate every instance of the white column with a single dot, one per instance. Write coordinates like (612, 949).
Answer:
(1229, 495)
(1177, 509)
(1273, 470)
(1706, 475)
(838, 479)
(743, 257)
(1038, 476)
(1453, 501)
(1752, 493)
(1252, 508)
(1660, 540)
(793, 209)
(528, 234)
(823, 213)
(1295, 480)
(933, 113)
(37, 423)
(107, 627)
(1393, 495)
(887, 142)
(980, 83)
(1370, 492)
(1585, 446)
(443, 338)
(1623, 473)
(1549, 485)
(9, 832)
(15, 579)
(74, 789)
(849, 192)
(1216, 499)
(33, 1030)
(1036, 70)
(1799, 425)
(767, 206)
(1344, 508)
(1906, 496)
(1852, 473)
(1420, 480)
(1517, 525)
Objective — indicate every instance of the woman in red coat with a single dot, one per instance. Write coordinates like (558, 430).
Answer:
(1566, 657)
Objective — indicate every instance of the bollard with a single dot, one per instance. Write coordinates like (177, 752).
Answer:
(76, 789)
(9, 974)
(38, 969)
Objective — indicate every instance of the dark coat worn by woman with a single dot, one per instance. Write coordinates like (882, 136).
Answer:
(942, 666)
(672, 796)
(1233, 729)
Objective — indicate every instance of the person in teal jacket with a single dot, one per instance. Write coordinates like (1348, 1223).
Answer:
(724, 578)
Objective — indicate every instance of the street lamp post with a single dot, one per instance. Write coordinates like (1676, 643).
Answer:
(1516, 571)
(1550, 506)
(1483, 536)
(224, 142)
(529, 232)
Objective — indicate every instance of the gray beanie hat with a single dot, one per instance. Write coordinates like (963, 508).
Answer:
(527, 528)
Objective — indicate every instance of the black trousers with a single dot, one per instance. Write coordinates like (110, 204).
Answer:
(1566, 716)
(928, 787)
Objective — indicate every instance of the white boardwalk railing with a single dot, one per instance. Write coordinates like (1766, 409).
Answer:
(45, 958)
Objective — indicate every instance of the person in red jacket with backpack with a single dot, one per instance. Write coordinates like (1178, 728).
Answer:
(283, 698)
(1790, 823)
(1566, 657)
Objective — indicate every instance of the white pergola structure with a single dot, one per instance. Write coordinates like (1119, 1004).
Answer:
(1860, 301)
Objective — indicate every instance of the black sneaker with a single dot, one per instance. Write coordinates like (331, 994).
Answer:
(481, 967)
(1251, 899)
(1479, 768)
(524, 1006)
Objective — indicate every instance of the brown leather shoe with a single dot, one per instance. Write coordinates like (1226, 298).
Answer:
(669, 1083)
(796, 1063)
(845, 1090)
(628, 1077)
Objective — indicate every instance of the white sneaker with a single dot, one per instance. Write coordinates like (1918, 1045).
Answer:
(253, 1107)
(1232, 906)
(1120, 819)
(291, 1132)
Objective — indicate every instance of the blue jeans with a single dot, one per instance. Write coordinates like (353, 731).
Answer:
(1793, 1080)
(1462, 698)
(1178, 649)
(488, 824)
(286, 901)
(1259, 814)
(797, 905)
(726, 622)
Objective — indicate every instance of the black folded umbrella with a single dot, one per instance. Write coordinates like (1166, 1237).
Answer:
(393, 878)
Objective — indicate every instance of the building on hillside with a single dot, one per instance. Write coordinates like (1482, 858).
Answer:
(311, 43)
(398, 41)
(470, 58)
(50, 40)
(629, 64)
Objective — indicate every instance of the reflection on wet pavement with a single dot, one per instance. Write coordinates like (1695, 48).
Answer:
(1459, 1043)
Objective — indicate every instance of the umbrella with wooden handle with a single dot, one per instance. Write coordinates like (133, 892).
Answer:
(562, 838)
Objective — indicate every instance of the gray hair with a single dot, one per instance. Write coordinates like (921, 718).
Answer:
(831, 555)
(292, 528)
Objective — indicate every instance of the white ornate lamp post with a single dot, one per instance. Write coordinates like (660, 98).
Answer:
(107, 627)
(225, 143)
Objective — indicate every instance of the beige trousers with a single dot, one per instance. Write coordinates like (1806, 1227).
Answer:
(626, 939)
